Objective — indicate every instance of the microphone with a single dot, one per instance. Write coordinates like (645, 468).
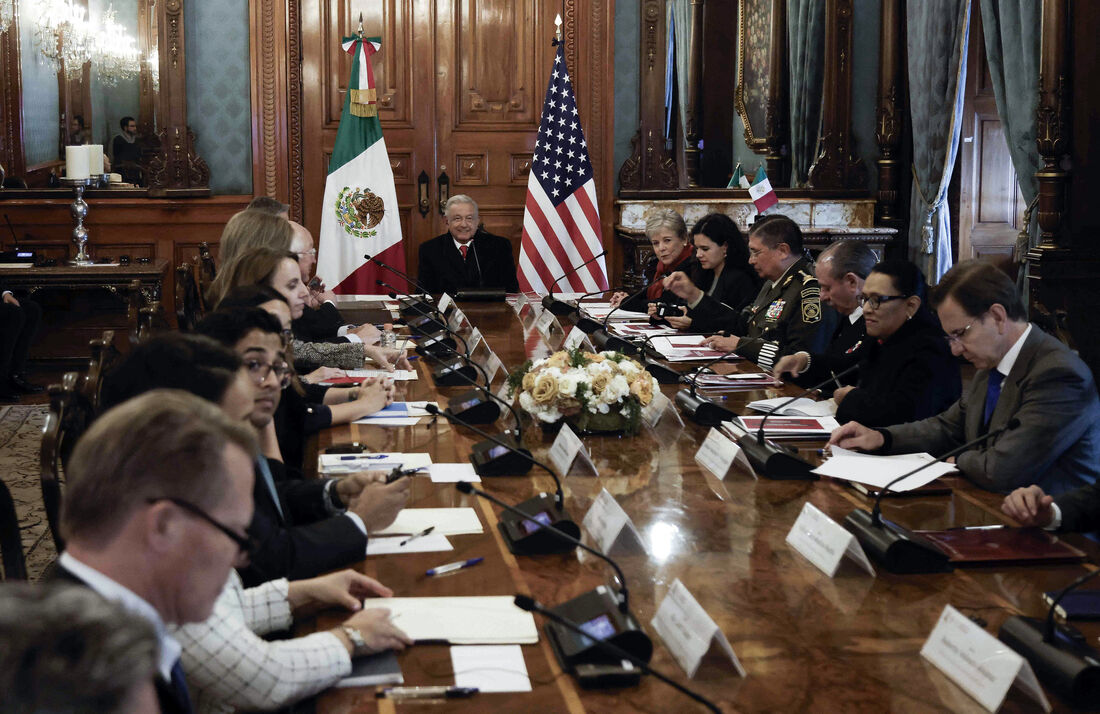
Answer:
(595, 635)
(617, 343)
(897, 548)
(423, 322)
(560, 307)
(701, 410)
(409, 304)
(470, 407)
(1059, 654)
(497, 456)
(775, 461)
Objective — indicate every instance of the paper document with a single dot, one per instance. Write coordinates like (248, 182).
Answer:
(485, 620)
(391, 545)
(799, 407)
(601, 311)
(372, 670)
(447, 521)
(790, 426)
(356, 376)
(396, 414)
(640, 329)
(352, 463)
(453, 473)
(686, 348)
(881, 470)
(490, 668)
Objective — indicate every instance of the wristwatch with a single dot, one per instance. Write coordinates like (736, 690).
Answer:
(358, 644)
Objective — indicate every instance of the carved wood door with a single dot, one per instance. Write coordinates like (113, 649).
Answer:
(460, 86)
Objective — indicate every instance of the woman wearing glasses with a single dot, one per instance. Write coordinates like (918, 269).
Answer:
(906, 370)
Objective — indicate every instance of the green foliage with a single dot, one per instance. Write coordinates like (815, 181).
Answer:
(515, 378)
(577, 358)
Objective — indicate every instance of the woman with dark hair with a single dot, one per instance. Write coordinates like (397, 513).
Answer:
(722, 272)
(906, 370)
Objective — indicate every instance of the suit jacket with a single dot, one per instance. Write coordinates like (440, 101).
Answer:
(320, 324)
(306, 540)
(735, 289)
(1057, 445)
(166, 697)
(1080, 509)
(488, 264)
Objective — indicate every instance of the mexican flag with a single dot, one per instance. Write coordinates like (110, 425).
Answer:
(359, 216)
(761, 191)
(738, 179)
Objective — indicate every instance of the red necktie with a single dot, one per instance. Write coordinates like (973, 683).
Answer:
(462, 249)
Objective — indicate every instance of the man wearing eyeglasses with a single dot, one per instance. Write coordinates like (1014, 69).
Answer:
(158, 539)
(1022, 374)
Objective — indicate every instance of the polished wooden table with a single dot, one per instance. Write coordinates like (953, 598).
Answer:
(809, 643)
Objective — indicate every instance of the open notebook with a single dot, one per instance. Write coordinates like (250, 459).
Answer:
(481, 620)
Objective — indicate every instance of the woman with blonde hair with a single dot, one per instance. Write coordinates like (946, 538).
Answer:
(247, 231)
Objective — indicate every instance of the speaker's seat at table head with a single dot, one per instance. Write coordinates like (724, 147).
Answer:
(466, 256)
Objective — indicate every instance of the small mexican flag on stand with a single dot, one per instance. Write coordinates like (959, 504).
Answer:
(738, 179)
(761, 191)
(359, 215)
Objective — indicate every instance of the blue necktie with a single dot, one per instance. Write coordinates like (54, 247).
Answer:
(179, 689)
(992, 394)
(265, 471)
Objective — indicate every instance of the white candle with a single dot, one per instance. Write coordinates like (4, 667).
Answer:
(95, 158)
(76, 162)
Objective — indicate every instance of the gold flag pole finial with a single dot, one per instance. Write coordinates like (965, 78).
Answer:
(359, 32)
(557, 27)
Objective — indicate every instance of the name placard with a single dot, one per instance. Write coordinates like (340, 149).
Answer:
(718, 453)
(978, 662)
(520, 302)
(566, 448)
(493, 366)
(473, 340)
(543, 323)
(610, 526)
(657, 408)
(456, 319)
(574, 339)
(445, 301)
(689, 632)
(824, 542)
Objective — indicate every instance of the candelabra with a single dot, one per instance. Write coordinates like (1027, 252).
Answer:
(79, 211)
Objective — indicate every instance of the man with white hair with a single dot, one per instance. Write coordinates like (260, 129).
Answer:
(466, 256)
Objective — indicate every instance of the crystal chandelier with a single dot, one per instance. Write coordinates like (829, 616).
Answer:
(63, 35)
(7, 14)
(114, 52)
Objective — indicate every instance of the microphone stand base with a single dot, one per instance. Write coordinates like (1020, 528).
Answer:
(597, 611)
(474, 408)
(480, 295)
(424, 325)
(413, 307)
(771, 461)
(530, 540)
(436, 345)
(491, 459)
(1067, 667)
(895, 548)
(560, 308)
(453, 376)
(663, 374)
(702, 411)
(587, 325)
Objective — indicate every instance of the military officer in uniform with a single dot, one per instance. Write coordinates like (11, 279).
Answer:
(786, 316)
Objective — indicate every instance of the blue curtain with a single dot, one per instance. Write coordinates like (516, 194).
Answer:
(806, 59)
(1013, 30)
(679, 57)
(936, 38)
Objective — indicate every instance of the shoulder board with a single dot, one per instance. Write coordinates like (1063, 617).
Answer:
(807, 277)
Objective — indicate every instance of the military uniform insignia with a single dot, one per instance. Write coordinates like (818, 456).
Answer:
(811, 309)
(359, 211)
(853, 348)
(775, 310)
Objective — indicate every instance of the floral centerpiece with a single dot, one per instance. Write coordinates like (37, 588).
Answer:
(596, 393)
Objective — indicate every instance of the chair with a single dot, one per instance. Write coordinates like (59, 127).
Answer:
(11, 544)
(69, 416)
(104, 356)
(204, 265)
(188, 303)
(134, 302)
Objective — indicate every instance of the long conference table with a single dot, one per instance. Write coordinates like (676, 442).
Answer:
(808, 642)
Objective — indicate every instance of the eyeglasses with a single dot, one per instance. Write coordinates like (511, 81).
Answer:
(248, 544)
(956, 336)
(873, 302)
(757, 253)
(304, 253)
(259, 370)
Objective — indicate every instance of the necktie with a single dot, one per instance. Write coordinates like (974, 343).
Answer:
(462, 249)
(265, 471)
(992, 394)
(179, 689)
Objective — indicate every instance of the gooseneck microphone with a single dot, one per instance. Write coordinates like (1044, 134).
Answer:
(560, 307)
(782, 405)
(529, 604)
(424, 321)
(408, 278)
(1060, 654)
(487, 389)
(897, 548)
(492, 458)
(703, 411)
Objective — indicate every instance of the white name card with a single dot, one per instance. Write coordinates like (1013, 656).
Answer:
(718, 453)
(565, 450)
(574, 339)
(520, 302)
(824, 542)
(445, 301)
(657, 408)
(689, 632)
(474, 340)
(493, 365)
(978, 662)
(456, 319)
(610, 527)
(543, 323)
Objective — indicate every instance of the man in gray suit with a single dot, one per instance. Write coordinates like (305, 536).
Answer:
(1023, 373)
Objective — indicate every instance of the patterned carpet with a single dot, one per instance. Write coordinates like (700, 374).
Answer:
(20, 437)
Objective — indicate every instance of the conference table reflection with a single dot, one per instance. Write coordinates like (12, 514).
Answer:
(808, 642)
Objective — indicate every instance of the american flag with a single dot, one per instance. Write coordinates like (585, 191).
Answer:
(561, 223)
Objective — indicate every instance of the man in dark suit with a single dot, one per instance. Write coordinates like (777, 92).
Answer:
(1077, 511)
(19, 321)
(1024, 374)
(158, 502)
(466, 256)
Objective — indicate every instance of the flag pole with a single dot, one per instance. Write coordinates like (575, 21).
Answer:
(359, 32)
(557, 30)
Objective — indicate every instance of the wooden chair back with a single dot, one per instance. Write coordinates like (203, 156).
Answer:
(103, 359)
(188, 303)
(69, 416)
(11, 544)
(134, 302)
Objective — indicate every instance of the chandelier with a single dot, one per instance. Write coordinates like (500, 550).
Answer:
(114, 52)
(62, 35)
(7, 14)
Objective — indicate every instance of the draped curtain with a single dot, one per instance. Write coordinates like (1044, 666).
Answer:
(806, 50)
(1013, 30)
(679, 23)
(936, 38)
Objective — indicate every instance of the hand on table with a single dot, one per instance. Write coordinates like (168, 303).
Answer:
(617, 298)
(322, 373)
(722, 344)
(377, 630)
(854, 435)
(344, 588)
(838, 395)
(368, 333)
(1029, 506)
(379, 503)
(792, 365)
(349, 487)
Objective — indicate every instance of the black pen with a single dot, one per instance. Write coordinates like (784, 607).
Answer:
(414, 536)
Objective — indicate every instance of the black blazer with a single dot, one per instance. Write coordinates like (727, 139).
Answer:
(736, 288)
(298, 416)
(306, 541)
(166, 696)
(488, 264)
(1080, 509)
(841, 353)
(640, 303)
(320, 324)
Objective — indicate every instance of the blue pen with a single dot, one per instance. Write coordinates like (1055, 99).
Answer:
(450, 567)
